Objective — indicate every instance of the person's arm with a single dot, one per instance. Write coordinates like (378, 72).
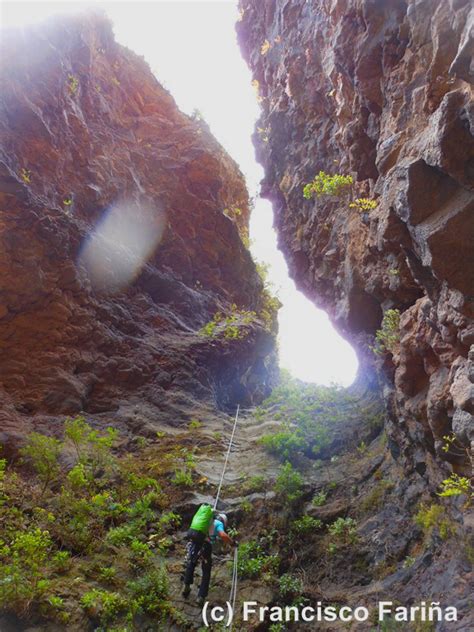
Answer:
(226, 538)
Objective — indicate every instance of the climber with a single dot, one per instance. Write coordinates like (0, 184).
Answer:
(201, 536)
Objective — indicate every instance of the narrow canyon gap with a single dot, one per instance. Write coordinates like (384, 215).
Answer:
(133, 320)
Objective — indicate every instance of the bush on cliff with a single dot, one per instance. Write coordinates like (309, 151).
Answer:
(325, 184)
(388, 336)
(233, 326)
(310, 415)
(60, 529)
(289, 484)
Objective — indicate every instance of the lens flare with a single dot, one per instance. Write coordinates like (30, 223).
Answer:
(123, 240)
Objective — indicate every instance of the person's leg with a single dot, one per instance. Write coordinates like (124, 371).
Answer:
(190, 561)
(206, 564)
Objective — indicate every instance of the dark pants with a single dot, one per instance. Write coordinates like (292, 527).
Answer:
(197, 546)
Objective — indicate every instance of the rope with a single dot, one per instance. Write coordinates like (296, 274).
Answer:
(226, 458)
(233, 586)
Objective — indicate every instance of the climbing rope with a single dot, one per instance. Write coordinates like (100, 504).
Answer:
(226, 458)
(233, 587)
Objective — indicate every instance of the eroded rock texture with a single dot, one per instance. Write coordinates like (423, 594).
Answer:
(382, 91)
(86, 127)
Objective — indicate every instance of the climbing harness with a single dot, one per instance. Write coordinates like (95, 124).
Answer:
(226, 458)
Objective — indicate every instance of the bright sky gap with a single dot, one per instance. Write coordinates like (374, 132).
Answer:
(191, 47)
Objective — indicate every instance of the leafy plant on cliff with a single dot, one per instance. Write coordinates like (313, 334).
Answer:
(254, 560)
(233, 326)
(388, 336)
(43, 454)
(305, 524)
(286, 445)
(363, 205)
(309, 414)
(342, 533)
(456, 485)
(319, 499)
(325, 184)
(454, 447)
(430, 517)
(289, 484)
(270, 303)
(25, 175)
(290, 586)
(103, 506)
(24, 572)
(233, 212)
(72, 84)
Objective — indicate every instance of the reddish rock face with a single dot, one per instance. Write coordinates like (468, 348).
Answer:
(382, 91)
(89, 133)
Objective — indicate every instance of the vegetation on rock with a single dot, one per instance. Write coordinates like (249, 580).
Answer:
(61, 528)
(388, 336)
(326, 184)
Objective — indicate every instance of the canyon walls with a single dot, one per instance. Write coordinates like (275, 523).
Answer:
(380, 91)
(122, 231)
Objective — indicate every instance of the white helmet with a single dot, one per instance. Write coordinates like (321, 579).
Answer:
(223, 518)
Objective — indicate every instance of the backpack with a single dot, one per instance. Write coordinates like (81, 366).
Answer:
(202, 519)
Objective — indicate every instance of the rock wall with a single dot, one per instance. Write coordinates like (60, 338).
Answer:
(381, 91)
(88, 134)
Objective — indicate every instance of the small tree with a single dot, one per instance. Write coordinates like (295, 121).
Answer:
(43, 453)
(388, 336)
(325, 184)
(289, 484)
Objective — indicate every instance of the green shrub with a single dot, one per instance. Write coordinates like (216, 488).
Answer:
(342, 533)
(408, 561)
(246, 506)
(43, 454)
(149, 593)
(107, 573)
(319, 499)
(103, 510)
(375, 498)
(434, 517)
(140, 553)
(182, 477)
(72, 84)
(289, 484)
(23, 569)
(102, 605)
(285, 444)
(388, 336)
(233, 326)
(253, 560)
(310, 416)
(455, 485)
(454, 447)
(3, 467)
(325, 184)
(169, 520)
(255, 483)
(305, 524)
(123, 534)
(194, 424)
(363, 205)
(62, 560)
(290, 586)
(93, 449)
(25, 175)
